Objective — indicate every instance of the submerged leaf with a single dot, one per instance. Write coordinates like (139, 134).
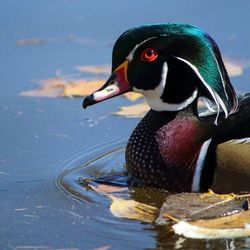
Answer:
(60, 86)
(235, 67)
(81, 87)
(133, 96)
(49, 88)
(137, 110)
(107, 188)
(95, 69)
(132, 209)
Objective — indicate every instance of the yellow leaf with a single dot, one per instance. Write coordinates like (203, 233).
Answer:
(49, 88)
(131, 209)
(59, 86)
(107, 188)
(81, 87)
(237, 225)
(235, 67)
(133, 96)
(137, 110)
(95, 69)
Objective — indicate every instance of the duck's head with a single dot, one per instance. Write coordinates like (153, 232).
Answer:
(171, 65)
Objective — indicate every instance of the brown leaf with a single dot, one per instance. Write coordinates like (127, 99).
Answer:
(95, 69)
(59, 86)
(235, 67)
(49, 88)
(105, 188)
(81, 87)
(132, 209)
(137, 110)
(133, 96)
(237, 225)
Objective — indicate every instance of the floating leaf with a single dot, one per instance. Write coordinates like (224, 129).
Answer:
(95, 69)
(235, 67)
(133, 96)
(81, 87)
(237, 225)
(132, 209)
(209, 215)
(50, 88)
(137, 110)
(194, 206)
(59, 86)
(107, 189)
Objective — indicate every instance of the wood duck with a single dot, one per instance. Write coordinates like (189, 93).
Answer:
(175, 147)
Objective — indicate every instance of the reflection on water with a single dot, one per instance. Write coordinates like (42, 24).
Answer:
(102, 160)
(107, 160)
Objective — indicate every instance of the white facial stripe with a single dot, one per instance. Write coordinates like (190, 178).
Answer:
(199, 166)
(131, 54)
(215, 96)
(153, 97)
(222, 80)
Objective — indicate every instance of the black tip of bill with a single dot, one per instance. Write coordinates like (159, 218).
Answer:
(88, 101)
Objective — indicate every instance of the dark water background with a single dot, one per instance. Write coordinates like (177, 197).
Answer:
(40, 138)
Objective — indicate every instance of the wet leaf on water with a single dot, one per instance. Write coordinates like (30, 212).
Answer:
(95, 69)
(132, 209)
(194, 215)
(194, 206)
(133, 96)
(207, 215)
(235, 67)
(137, 110)
(60, 86)
(106, 188)
(81, 87)
(30, 41)
(236, 225)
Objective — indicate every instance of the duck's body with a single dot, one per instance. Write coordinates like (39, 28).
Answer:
(173, 147)
(165, 148)
(179, 152)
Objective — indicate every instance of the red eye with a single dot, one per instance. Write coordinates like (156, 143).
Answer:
(149, 55)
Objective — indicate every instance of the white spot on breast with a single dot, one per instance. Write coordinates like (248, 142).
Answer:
(199, 166)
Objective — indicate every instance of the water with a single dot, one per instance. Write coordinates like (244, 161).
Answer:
(108, 160)
(43, 139)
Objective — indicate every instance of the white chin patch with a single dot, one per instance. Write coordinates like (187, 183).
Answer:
(153, 97)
